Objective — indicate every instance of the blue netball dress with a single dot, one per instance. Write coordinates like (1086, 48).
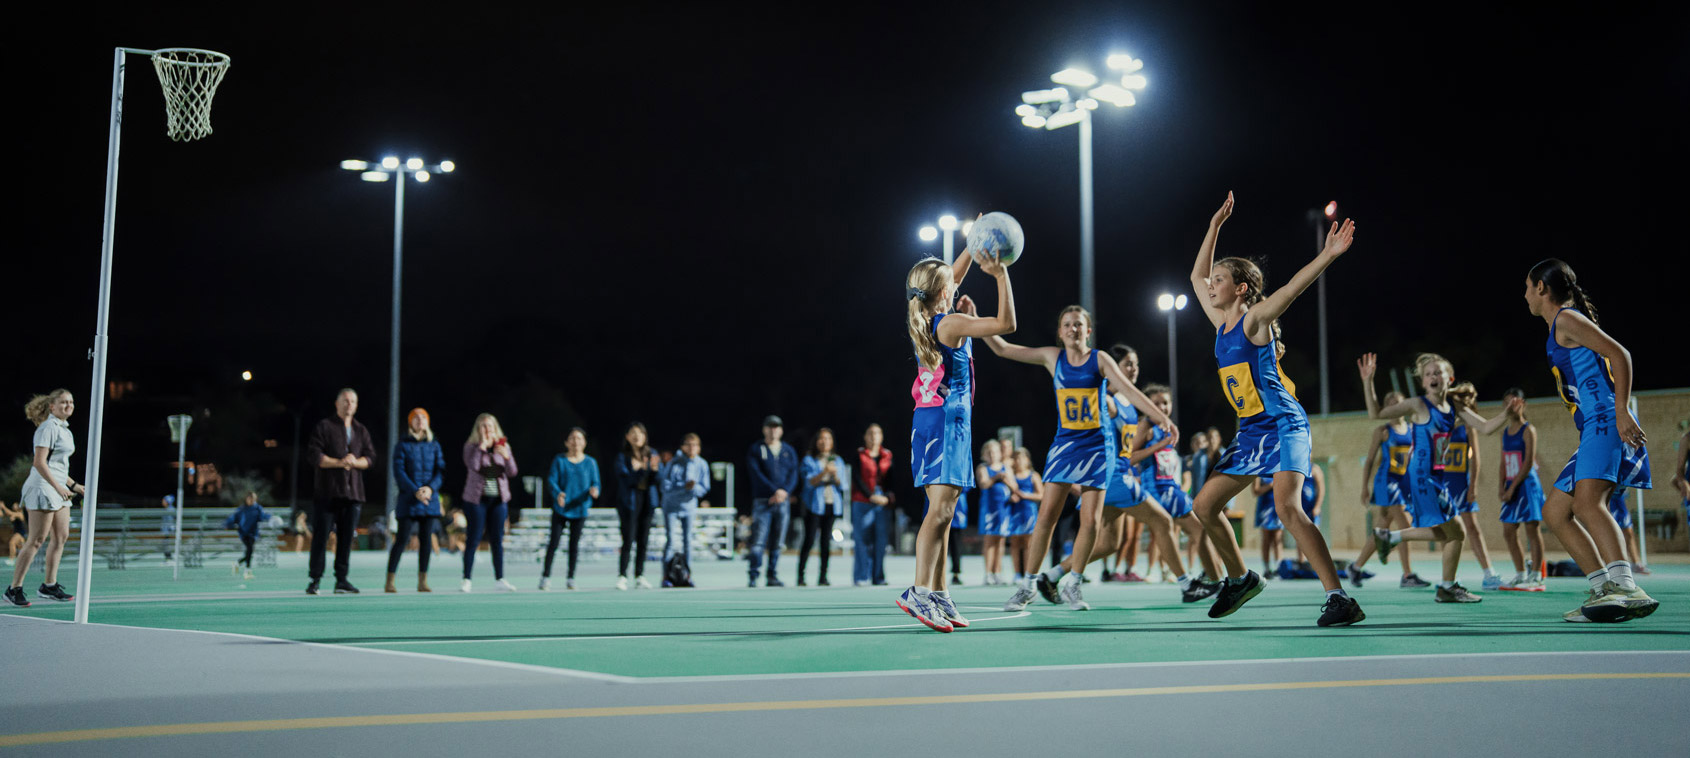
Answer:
(1273, 430)
(1428, 503)
(1025, 514)
(1388, 487)
(1160, 472)
(1457, 479)
(1082, 451)
(1586, 383)
(1125, 489)
(994, 505)
(1311, 498)
(1266, 516)
(1527, 504)
(941, 442)
(1619, 508)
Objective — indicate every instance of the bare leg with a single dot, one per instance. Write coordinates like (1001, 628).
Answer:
(38, 526)
(1470, 522)
(59, 522)
(1511, 537)
(1288, 499)
(1161, 528)
(1271, 539)
(1398, 519)
(1050, 511)
(935, 533)
(1211, 502)
(1132, 532)
(1194, 531)
(994, 554)
(1091, 502)
(1534, 538)
(1018, 553)
(1450, 534)
(1597, 536)
(1108, 519)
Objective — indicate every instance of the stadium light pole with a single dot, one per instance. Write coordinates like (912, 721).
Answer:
(1170, 305)
(1054, 108)
(391, 169)
(947, 227)
(1320, 218)
(179, 424)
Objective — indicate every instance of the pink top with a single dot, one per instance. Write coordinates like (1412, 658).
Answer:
(476, 460)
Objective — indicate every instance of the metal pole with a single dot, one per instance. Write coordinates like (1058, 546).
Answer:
(97, 393)
(1642, 557)
(1088, 286)
(1173, 364)
(181, 455)
(393, 358)
(293, 481)
(1325, 376)
(948, 253)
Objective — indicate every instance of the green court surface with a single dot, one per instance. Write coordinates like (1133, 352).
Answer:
(726, 629)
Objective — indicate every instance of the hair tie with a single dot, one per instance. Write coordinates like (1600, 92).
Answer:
(915, 293)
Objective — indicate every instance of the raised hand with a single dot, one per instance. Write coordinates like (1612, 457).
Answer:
(966, 304)
(1338, 238)
(1224, 213)
(989, 264)
(1367, 364)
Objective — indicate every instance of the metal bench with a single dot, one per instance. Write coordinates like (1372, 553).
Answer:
(601, 535)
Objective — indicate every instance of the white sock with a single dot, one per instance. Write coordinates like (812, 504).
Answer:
(1446, 585)
(1054, 573)
(946, 594)
(1619, 572)
(1490, 572)
(1596, 578)
(1396, 538)
(1184, 581)
(922, 590)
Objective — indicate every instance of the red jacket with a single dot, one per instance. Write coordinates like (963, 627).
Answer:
(872, 474)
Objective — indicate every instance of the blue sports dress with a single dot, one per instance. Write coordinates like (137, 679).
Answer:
(1082, 452)
(1457, 478)
(1527, 504)
(1310, 499)
(994, 506)
(1586, 383)
(1273, 430)
(1388, 488)
(1266, 516)
(1025, 514)
(1125, 489)
(941, 441)
(1428, 503)
(1161, 472)
(1619, 508)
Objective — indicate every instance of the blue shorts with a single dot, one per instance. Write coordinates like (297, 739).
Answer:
(1601, 455)
(941, 447)
(1428, 502)
(1266, 516)
(1022, 517)
(1527, 505)
(1087, 465)
(1619, 506)
(994, 518)
(1173, 500)
(1125, 490)
(1264, 448)
(1391, 494)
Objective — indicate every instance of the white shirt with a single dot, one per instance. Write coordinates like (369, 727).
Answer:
(53, 434)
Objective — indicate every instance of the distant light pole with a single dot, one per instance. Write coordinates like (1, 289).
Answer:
(179, 434)
(947, 225)
(1055, 108)
(1170, 305)
(387, 169)
(1320, 218)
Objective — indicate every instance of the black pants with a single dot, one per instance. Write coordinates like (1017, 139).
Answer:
(955, 549)
(248, 542)
(575, 526)
(340, 518)
(817, 528)
(636, 532)
(423, 527)
(486, 520)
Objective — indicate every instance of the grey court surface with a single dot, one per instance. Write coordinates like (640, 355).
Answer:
(64, 678)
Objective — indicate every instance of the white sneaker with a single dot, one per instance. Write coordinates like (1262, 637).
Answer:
(569, 584)
(641, 583)
(621, 582)
(1024, 594)
(948, 611)
(545, 583)
(1070, 592)
(922, 608)
(247, 575)
(503, 586)
(464, 587)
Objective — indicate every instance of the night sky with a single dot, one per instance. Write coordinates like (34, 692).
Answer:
(695, 217)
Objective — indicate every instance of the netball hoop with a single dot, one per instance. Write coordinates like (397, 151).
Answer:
(189, 78)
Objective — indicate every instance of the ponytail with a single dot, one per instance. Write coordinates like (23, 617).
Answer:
(40, 407)
(926, 284)
(1563, 285)
(1245, 271)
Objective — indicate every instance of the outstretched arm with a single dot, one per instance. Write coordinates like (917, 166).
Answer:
(1583, 332)
(1480, 424)
(1037, 356)
(1206, 260)
(1112, 371)
(1368, 364)
(1379, 437)
(1338, 240)
(966, 323)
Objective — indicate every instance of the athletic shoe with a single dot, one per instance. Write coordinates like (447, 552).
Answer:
(1071, 594)
(1356, 577)
(343, 587)
(503, 585)
(311, 589)
(545, 584)
(15, 596)
(1491, 582)
(57, 592)
(1168, 578)
(1533, 585)
(247, 575)
(463, 586)
(569, 584)
(948, 610)
(1132, 576)
(1024, 594)
(1413, 582)
(1198, 590)
(956, 579)
(640, 583)
(235, 568)
(621, 582)
(1382, 543)
(1636, 600)
(1455, 593)
(1340, 610)
(1601, 606)
(773, 582)
(922, 608)
(801, 582)
(1638, 568)
(1085, 579)
(1047, 589)
(1233, 595)
(752, 582)
(1517, 584)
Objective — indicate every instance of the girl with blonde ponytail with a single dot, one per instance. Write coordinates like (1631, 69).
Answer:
(941, 454)
(47, 493)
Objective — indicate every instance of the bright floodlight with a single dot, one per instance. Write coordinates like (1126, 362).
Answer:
(967, 226)
(1332, 210)
(446, 167)
(390, 162)
(1114, 95)
(1035, 121)
(355, 165)
(1024, 110)
(1064, 118)
(1134, 81)
(928, 234)
(1119, 61)
(1074, 77)
(1088, 104)
(947, 222)
(422, 176)
(1179, 303)
(1165, 302)
(373, 176)
(246, 376)
(1042, 96)
(413, 164)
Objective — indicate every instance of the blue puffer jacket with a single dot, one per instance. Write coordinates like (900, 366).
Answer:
(418, 464)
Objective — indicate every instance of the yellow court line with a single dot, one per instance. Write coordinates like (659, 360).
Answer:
(408, 719)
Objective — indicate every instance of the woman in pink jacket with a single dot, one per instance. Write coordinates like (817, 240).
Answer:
(487, 494)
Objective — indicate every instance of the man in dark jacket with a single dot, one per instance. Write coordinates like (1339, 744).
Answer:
(774, 475)
(342, 450)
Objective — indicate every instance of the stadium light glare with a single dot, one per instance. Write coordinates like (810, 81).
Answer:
(928, 233)
(1165, 302)
(1114, 95)
(246, 376)
(374, 176)
(1179, 303)
(1034, 121)
(1119, 61)
(1065, 118)
(422, 176)
(1134, 81)
(390, 162)
(1074, 77)
(947, 222)
(1332, 210)
(355, 165)
(447, 167)
(414, 164)
(1024, 110)
(967, 226)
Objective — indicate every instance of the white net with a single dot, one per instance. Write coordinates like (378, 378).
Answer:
(189, 79)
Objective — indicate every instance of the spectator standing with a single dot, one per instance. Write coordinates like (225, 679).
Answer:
(685, 479)
(774, 475)
(419, 468)
(826, 487)
(871, 509)
(574, 486)
(636, 500)
(20, 530)
(46, 493)
(245, 521)
(487, 496)
(343, 450)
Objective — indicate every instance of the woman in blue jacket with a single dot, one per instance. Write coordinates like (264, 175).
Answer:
(574, 486)
(636, 500)
(419, 468)
(825, 490)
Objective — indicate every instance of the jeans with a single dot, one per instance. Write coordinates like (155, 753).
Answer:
(491, 520)
(575, 526)
(818, 527)
(677, 522)
(768, 532)
(339, 517)
(423, 528)
(871, 527)
(248, 542)
(636, 532)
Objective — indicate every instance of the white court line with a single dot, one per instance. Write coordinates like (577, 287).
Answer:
(371, 645)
